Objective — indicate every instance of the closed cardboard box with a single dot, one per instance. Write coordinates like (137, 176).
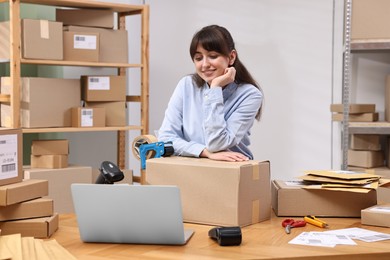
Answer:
(88, 117)
(45, 102)
(103, 88)
(86, 17)
(11, 152)
(108, 52)
(215, 192)
(81, 46)
(59, 183)
(41, 207)
(363, 117)
(34, 227)
(115, 111)
(42, 39)
(378, 215)
(353, 108)
(365, 159)
(293, 200)
(50, 161)
(22, 191)
(365, 142)
(52, 146)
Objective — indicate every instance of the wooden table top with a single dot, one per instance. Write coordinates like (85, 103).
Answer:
(265, 240)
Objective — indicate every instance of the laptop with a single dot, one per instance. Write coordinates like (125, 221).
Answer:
(123, 213)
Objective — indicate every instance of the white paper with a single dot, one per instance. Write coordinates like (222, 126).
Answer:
(321, 239)
(361, 234)
(86, 117)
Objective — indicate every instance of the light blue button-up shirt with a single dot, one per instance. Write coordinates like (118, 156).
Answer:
(213, 118)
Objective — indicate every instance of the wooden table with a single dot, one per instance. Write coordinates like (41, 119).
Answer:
(266, 240)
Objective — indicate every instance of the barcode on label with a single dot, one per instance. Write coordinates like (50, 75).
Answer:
(8, 167)
(80, 38)
(86, 112)
(95, 80)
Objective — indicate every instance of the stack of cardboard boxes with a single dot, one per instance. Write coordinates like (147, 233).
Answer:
(357, 112)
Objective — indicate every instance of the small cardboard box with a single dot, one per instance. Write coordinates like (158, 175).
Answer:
(363, 117)
(108, 52)
(383, 194)
(81, 46)
(45, 102)
(36, 208)
(378, 215)
(365, 159)
(23, 191)
(215, 192)
(365, 142)
(292, 200)
(11, 161)
(50, 146)
(50, 161)
(115, 111)
(353, 108)
(88, 117)
(34, 227)
(42, 39)
(86, 17)
(103, 88)
(59, 183)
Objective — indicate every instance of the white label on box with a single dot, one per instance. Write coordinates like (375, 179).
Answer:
(98, 83)
(86, 117)
(87, 42)
(44, 26)
(381, 209)
(294, 183)
(8, 156)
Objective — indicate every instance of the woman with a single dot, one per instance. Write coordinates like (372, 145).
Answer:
(211, 112)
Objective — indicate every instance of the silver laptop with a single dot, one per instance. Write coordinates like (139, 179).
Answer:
(122, 213)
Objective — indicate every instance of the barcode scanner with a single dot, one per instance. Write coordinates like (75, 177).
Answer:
(109, 173)
(226, 236)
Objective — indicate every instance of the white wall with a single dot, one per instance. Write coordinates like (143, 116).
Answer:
(288, 47)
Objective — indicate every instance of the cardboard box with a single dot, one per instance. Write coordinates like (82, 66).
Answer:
(4, 40)
(365, 142)
(294, 201)
(81, 46)
(215, 192)
(88, 117)
(353, 108)
(128, 179)
(383, 194)
(50, 161)
(103, 88)
(115, 112)
(86, 17)
(50, 146)
(59, 183)
(33, 227)
(108, 52)
(369, 18)
(364, 117)
(365, 159)
(23, 191)
(11, 152)
(36, 208)
(42, 39)
(378, 215)
(45, 102)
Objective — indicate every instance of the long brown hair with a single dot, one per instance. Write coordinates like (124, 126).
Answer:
(218, 39)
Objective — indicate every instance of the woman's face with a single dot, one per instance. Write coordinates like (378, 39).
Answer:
(210, 64)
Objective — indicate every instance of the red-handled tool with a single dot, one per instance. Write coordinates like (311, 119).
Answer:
(291, 223)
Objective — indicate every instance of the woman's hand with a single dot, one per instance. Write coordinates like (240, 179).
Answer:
(224, 156)
(225, 79)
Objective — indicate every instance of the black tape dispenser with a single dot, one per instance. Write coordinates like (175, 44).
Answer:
(109, 173)
(226, 236)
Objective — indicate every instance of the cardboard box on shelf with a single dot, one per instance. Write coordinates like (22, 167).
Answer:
(42, 39)
(81, 46)
(45, 102)
(41, 207)
(214, 192)
(88, 117)
(22, 191)
(369, 142)
(50, 161)
(103, 88)
(374, 11)
(86, 17)
(50, 146)
(353, 108)
(378, 215)
(11, 152)
(33, 227)
(292, 200)
(363, 117)
(59, 183)
(108, 52)
(365, 159)
(115, 111)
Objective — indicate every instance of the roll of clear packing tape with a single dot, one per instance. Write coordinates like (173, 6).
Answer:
(140, 140)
